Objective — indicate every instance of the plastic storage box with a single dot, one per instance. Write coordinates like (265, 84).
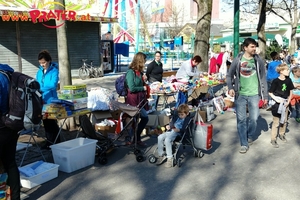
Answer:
(32, 181)
(74, 154)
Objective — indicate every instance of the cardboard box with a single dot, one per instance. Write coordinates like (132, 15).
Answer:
(156, 118)
(72, 96)
(32, 181)
(203, 115)
(79, 103)
(74, 87)
(74, 154)
(153, 120)
(72, 91)
(163, 120)
(105, 130)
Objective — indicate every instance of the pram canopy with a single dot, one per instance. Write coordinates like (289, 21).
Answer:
(128, 109)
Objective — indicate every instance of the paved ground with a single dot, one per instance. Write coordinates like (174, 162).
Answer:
(263, 173)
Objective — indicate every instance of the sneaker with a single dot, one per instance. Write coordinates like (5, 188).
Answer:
(243, 149)
(169, 163)
(161, 160)
(283, 138)
(274, 144)
(297, 120)
(250, 141)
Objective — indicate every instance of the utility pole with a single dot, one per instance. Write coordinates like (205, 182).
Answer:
(137, 35)
(236, 27)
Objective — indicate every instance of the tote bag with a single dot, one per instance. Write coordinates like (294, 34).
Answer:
(203, 133)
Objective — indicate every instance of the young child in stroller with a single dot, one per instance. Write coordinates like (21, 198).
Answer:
(177, 128)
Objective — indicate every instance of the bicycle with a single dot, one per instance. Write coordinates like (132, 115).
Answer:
(87, 70)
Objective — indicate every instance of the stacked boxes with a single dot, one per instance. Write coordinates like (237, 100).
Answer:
(76, 94)
(55, 111)
(70, 92)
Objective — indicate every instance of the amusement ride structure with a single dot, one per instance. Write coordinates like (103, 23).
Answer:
(111, 8)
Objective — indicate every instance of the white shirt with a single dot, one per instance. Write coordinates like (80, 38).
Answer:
(186, 70)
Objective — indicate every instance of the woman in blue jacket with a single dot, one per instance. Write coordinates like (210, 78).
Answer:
(48, 76)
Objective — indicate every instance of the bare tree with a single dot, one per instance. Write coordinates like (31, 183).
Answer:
(62, 47)
(176, 19)
(261, 28)
(289, 7)
(203, 31)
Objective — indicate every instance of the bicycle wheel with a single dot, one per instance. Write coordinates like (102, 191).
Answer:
(92, 73)
(100, 72)
(95, 72)
(83, 73)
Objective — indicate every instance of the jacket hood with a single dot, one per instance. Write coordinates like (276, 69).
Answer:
(6, 68)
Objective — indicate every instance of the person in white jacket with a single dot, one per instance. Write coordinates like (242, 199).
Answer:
(188, 68)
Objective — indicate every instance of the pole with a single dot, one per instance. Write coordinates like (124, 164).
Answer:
(137, 35)
(236, 27)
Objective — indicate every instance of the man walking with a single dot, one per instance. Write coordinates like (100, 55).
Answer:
(246, 81)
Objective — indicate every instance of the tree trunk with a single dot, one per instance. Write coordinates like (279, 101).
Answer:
(203, 32)
(62, 48)
(294, 24)
(261, 29)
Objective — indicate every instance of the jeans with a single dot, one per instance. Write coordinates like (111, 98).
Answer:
(297, 108)
(166, 138)
(246, 128)
(156, 99)
(8, 143)
(142, 124)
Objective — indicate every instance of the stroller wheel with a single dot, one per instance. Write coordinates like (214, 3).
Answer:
(140, 158)
(137, 151)
(179, 162)
(195, 153)
(152, 159)
(200, 154)
(102, 160)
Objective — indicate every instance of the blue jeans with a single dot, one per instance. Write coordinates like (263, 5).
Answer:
(246, 128)
(142, 124)
(166, 138)
(297, 108)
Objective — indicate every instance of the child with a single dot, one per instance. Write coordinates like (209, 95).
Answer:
(272, 73)
(295, 77)
(177, 125)
(281, 92)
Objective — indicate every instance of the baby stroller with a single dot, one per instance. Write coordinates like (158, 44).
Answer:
(104, 144)
(130, 118)
(185, 140)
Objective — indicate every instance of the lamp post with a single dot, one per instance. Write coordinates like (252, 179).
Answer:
(137, 35)
(236, 27)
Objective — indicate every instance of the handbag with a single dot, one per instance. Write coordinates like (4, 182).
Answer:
(203, 133)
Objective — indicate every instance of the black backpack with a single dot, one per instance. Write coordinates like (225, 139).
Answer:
(25, 102)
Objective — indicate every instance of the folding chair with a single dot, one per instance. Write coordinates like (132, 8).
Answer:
(31, 133)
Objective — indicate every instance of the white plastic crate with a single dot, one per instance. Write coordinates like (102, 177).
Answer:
(32, 181)
(74, 154)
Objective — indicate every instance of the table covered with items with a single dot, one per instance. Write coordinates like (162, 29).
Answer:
(183, 90)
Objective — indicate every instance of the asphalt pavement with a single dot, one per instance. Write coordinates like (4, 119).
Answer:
(263, 173)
